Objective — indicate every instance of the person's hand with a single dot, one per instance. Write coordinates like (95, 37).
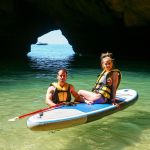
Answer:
(117, 105)
(52, 105)
(114, 102)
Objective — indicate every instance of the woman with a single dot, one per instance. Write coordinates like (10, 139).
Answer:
(106, 85)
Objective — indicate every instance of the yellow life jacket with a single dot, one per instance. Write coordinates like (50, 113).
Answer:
(61, 94)
(104, 88)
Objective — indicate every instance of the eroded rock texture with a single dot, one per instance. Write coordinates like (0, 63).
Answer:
(90, 26)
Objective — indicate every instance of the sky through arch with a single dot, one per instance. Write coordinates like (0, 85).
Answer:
(51, 46)
(53, 37)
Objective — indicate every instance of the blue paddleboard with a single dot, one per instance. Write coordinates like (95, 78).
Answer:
(68, 116)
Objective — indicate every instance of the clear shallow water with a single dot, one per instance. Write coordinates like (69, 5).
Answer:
(23, 87)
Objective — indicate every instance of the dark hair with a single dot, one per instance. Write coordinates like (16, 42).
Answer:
(64, 70)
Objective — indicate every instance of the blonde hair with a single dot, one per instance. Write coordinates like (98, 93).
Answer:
(104, 55)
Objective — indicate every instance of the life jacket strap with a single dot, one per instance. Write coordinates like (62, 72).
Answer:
(104, 90)
(105, 94)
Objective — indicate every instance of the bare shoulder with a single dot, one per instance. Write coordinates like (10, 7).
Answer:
(115, 73)
(72, 87)
(50, 88)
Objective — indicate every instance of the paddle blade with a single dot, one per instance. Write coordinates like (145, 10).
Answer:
(13, 119)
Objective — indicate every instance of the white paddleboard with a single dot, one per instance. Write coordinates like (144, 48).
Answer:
(67, 116)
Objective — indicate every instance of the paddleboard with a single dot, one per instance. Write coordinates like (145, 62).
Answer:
(68, 116)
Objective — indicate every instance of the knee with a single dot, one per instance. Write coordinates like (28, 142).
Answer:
(80, 92)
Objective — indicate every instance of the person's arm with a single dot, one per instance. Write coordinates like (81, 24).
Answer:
(114, 85)
(49, 94)
(75, 94)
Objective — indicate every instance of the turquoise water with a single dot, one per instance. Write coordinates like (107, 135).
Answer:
(23, 87)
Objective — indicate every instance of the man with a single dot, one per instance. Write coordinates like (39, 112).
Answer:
(60, 91)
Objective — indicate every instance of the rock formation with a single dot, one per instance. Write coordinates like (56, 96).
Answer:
(90, 26)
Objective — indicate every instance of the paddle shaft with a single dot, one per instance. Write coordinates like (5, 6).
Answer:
(40, 110)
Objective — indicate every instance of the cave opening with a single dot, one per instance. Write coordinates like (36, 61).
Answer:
(52, 45)
(51, 49)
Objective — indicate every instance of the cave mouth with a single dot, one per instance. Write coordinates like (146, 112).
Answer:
(52, 45)
(51, 49)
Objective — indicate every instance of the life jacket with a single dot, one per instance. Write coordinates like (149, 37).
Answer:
(61, 94)
(101, 85)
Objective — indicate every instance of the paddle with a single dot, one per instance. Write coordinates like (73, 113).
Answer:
(35, 112)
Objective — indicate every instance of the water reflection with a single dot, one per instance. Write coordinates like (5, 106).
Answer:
(50, 57)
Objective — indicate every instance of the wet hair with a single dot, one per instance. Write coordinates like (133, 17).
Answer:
(64, 70)
(103, 55)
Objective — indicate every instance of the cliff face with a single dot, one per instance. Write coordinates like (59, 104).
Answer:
(90, 26)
